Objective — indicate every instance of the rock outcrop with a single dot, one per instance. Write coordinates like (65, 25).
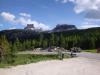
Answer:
(64, 27)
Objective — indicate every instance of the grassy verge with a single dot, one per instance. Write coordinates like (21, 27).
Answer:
(29, 58)
(91, 51)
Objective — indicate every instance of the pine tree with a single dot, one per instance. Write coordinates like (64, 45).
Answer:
(6, 51)
(62, 39)
(18, 44)
(52, 41)
(13, 52)
(45, 43)
(41, 40)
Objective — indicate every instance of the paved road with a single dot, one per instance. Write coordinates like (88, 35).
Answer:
(43, 53)
(82, 54)
(89, 55)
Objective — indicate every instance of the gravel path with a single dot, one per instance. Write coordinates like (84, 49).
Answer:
(89, 55)
(74, 66)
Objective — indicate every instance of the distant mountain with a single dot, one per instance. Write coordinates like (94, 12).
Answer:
(66, 37)
(31, 27)
(64, 27)
(24, 34)
(30, 34)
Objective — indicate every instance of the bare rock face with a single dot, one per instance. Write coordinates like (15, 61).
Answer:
(64, 27)
(30, 27)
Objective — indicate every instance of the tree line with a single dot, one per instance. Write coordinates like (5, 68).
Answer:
(85, 39)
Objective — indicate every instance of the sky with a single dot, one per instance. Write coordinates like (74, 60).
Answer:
(46, 14)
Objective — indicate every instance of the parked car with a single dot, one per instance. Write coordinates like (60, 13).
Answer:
(75, 49)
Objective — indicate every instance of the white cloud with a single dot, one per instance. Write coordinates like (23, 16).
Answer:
(93, 14)
(89, 23)
(88, 26)
(8, 16)
(92, 20)
(24, 14)
(84, 5)
(22, 20)
(92, 9)
(44, 26)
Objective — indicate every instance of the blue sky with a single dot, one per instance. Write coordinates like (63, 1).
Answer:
(47, 14)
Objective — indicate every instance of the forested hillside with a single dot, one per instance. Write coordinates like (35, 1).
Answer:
(28, 39)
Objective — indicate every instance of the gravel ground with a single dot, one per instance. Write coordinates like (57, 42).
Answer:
(74, 66)
(89, 55)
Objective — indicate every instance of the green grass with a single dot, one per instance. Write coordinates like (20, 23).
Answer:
(91, 51)
(29, 58)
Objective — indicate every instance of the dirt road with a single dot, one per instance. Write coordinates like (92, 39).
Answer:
(74, 66)
(89, 55)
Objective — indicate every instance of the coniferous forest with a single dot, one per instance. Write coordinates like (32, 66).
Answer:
(12, 41)
(28, 39)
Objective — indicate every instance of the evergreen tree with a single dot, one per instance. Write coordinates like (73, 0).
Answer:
(45, 44)
(6, 51)
(62, 41)
(18, 44)
(52, 41)
(41, 40)
(13, 52)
